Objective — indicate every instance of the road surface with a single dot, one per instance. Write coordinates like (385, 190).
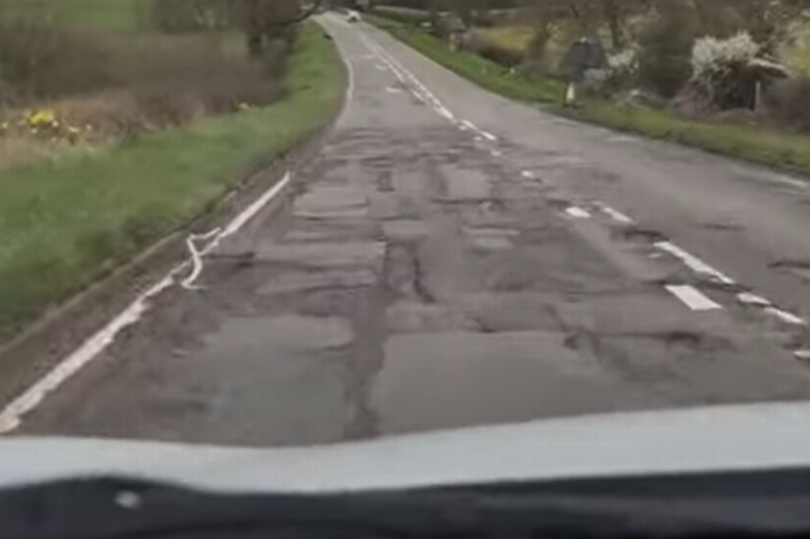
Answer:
(452, 258)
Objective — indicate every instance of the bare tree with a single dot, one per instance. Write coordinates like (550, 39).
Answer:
(268, 20)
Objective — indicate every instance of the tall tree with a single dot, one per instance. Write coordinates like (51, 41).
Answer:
(266, 20)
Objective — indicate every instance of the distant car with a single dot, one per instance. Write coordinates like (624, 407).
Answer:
(353, 16)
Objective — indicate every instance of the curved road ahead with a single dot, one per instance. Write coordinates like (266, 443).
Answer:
(452, 258)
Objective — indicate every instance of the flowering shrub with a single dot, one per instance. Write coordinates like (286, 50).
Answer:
(714, 59)
(42, 124)
(624, 62)
(623, 72)
(42, 119)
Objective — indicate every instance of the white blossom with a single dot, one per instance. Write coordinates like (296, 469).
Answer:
(625, 61)
(712, 57)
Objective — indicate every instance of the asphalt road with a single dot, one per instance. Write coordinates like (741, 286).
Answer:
(452, 258)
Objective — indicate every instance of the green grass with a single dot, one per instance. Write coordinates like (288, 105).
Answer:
(402, 14)
(114, 15)
(66, 223)
(101, 14)
(781, 150)
(483, 72)
(772, 148)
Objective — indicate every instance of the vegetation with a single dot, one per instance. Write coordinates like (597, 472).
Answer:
(81, 207)
(486, 73)
(403, 14)
(750, 143)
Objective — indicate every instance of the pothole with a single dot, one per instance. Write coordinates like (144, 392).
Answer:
(722, 227)
(790, 264)
(558, 203)
(800, 268)
(690, 340)
(639, 234)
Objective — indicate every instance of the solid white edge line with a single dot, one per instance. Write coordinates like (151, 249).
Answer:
(692, 298)
(579, 213)
(693, 262)
(489, 136)
(11, 415)
(250, 212)
(350, 82)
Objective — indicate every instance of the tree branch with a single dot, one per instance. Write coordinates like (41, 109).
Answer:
(316, 5)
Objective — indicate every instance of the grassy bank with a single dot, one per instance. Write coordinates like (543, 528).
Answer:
(67, 222)
(483, 72)
(776, 149)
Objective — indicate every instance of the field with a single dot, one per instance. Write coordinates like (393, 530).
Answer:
(112, 15)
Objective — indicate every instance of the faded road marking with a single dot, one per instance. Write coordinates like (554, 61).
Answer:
(196, 257)
(616, 215)
(752, 299)
(693, 298)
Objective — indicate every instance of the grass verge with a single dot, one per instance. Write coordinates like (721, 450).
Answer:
(68, 222)
(481, 71)
(781, 150)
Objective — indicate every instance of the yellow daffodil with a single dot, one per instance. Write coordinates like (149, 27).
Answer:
(43, 118)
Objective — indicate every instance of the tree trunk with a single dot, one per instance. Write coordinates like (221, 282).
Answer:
(614, 20)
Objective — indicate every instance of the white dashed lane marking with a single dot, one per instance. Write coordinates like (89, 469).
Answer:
(577, 212)
(616, 215)
(786, 317)
(694, 263)
(693, 298)
(687, 294)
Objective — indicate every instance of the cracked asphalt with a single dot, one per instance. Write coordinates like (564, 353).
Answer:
(451, 258)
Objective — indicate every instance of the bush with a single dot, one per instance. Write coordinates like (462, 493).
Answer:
(178, 16)
(40, 59)
(666, 46)
(720, 71)
(624, 67)
(786, 103)
(188, 77)
(714, 59)
(413, 17)
(507, 57)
